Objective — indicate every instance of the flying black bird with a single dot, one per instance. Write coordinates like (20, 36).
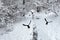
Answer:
(47, 21)
(27, 25)
(38, 9)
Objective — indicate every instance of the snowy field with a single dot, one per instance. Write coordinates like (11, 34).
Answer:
(45, 23)
(45, 32)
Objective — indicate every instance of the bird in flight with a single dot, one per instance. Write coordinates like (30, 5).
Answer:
(28, 25)
(46, 21)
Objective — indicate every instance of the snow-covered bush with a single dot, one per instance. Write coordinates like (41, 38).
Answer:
(8, 2)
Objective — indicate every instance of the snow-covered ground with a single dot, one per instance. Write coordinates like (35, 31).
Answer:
(20, 32)
(50, 31)
(45, 32)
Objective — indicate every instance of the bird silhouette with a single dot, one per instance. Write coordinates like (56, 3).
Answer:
(27, 25)
(47, 21)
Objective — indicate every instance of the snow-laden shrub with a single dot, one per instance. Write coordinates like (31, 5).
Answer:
(8, 2)
(51, 16)
(7, 18)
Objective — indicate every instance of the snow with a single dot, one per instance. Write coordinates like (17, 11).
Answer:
(45, 32)
(20, 32)
(48, 32)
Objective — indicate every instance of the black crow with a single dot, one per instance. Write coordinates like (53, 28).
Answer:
(47, 21)
(27, 25)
